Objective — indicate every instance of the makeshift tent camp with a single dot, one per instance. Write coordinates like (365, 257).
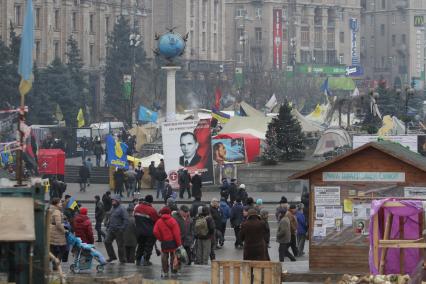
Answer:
(248, 110)
(251, 143)
(331, 139)
(307, 126)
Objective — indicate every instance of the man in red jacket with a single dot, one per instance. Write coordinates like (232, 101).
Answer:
(83, 227)
(167, 231)
(145, 218)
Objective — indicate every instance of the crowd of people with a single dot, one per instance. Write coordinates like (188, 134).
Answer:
(197, 230)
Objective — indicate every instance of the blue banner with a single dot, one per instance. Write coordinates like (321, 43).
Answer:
(116, 153)
(147, 115)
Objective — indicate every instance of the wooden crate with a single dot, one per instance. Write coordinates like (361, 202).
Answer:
(245, 272)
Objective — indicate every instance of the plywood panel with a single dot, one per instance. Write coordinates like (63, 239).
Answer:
(17, 219)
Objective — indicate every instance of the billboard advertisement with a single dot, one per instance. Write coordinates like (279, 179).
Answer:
(228, 151)
(354, 27)
(416, 143)
(277, 31)
(187, 144)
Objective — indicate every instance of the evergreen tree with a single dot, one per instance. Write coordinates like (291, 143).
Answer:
(9, 78)
(285, 133)
(15, 44)
(75, 69)
(271, 154)
(119, 62)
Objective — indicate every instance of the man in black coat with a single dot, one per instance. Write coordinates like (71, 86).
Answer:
(151, 172)
(196, 185)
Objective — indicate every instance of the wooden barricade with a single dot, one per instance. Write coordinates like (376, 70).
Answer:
(245, 272)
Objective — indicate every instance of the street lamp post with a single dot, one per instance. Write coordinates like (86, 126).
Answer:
(134, 41)
(409, 91)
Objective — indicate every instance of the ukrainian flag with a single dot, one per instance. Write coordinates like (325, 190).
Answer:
(26, 52)
(220, 116)
(72, 203)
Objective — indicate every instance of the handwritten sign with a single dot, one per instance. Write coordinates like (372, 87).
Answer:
(364, 176)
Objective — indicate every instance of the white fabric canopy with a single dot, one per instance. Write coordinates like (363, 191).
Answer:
(330, 139)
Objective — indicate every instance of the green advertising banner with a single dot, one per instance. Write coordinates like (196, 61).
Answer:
(328, 70)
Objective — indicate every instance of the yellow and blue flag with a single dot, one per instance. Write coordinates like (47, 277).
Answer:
(147, 115)
(117, 153)
(220, 116)
(72, 203)
(25, 68)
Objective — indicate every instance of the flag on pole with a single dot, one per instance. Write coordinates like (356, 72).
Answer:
(217, 96)
(325, 88)
(272, 102)
(220, 116)
(80, 118)
(25, 68)
(72, 203)
(146, 114)
(355, 93)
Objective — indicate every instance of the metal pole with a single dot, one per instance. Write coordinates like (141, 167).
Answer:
(406, 111)
(19, 163)
(132, 93)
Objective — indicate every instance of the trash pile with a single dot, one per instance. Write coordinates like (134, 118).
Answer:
(375, 279)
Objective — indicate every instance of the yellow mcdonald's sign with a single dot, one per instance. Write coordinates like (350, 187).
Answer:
(419, 21)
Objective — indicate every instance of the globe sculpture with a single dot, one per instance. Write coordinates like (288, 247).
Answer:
(170, 45)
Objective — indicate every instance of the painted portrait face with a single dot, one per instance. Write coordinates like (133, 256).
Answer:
(188, 146)
(221, 151)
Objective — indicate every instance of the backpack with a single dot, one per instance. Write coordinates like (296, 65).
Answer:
(201, 228)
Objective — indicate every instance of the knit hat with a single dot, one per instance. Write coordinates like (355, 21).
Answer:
(259, 201)
(251, 212)
(83, 211)
(243, 186)
(283, 199)
(292, 206)
(116, 198)
(149, 198)
(165, 210)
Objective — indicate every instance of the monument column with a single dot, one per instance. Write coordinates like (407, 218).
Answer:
(171, 92)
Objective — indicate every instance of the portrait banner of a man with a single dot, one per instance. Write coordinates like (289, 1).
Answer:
(228, 151)
(187, 144)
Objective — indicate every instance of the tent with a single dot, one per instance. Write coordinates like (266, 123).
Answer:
(330, 139)
(307, 126)
(256, 125)
(249, 110)
(251, 143)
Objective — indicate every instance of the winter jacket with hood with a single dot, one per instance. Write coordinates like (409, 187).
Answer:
(226, 211)
(83, 228)
(253, 232)
(237, 214)
(57, 230)
(145, 218)
(166, 229)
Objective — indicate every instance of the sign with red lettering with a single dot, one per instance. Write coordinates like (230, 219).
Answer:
(277, 38)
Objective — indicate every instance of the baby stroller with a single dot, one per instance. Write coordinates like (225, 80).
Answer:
(84, 254)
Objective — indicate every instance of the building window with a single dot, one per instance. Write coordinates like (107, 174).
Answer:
(305, 56)
(215, 42)
(393, 18)
(107, 25)
(372, 20)
(56, 48)
(363, 43)
(318, 57)
(383, 4)
(91, 23)
(304, 36)
(372, 41)
(318, 17)
(258, 12)
(75, 2)
(318, 38)
(393, 40)
(342, 37)
(258, 35)
(191, 36)
(239, 57)
(203, 41)
(382, 30)
(37, 18)
(192, 8)
(18, 15)
(57, 20)
(305, 16)
(74, 21)
(240, 33)
(37, 53)
(91, 55)
(240, 12)
(341, 58)
(331, 57)
(204, 7)
(331, 42)
(403, 38)
(285, 35)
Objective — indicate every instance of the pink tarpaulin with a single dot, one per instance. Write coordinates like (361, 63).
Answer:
(410, 213)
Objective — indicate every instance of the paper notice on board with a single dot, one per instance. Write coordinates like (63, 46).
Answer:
(334, 212)
(347, 205)
(319, 212)
(327, 195)
(329, 222)
(347, 220)
(361, 211)
(319, 231)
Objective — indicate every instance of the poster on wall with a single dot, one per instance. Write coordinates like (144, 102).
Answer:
(410, 141)
(228, 151)
(327, 195)
(277, 38)
(187, 144)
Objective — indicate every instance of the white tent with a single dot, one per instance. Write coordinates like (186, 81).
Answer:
(330, 139)
(255, 125)
(307, 126)
(146, 161)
